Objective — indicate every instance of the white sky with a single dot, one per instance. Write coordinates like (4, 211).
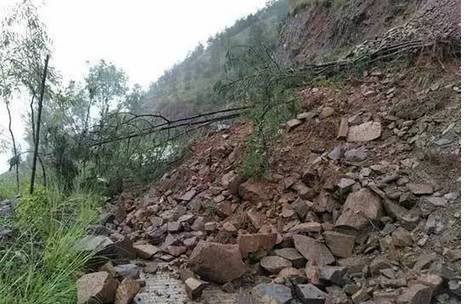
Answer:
(144, 37)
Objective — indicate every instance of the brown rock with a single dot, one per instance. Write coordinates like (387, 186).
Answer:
(401, 237)
(416, 294)
(274, 264)
(293, 274)
(259, 243)
(343, 128)
(432, 280)
(359, 208)
(313, 250)
(306, 227)
(126, 291)
(293, 123)
(176, 250)
(217, 262)
(145, 251)
(231, 181)
(340, 244)
(312, 272)
(194, 287)
(254, 191)
(96, 286)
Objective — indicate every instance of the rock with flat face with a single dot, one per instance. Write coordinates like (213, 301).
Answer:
(313, 250)
(292, 255)
(310, 294)
(217, 262)
(258, 243)
(126, 291)
(340, 244)
(343, 128)
(194, 287)
(130, 271)
(145, 251)
(96, 287)
(271, 294)
(420, 189)
(365, 132)
(360, 207)
(293, 123)
(274, 264)
(94, 243)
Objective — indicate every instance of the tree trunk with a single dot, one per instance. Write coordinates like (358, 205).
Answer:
(38, 127)
(13, 141)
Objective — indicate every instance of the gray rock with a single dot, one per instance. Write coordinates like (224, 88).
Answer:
(313, 250)
(416, 294)
(130, 271)
(310, 294)
(292, 255)
(356, 155)
(274, 264)
(365, 132)
(420, 189)
(332, 274)
(271, 294)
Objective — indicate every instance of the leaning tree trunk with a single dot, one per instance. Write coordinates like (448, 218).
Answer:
(38, 127)
(13, 141)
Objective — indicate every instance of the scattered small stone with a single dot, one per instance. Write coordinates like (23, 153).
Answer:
(259, 243)
(436, 201)
(333, 274)
(294, 123)
(360, 207)
(343, 128)
(336, 153)
(416, 294)
(130, 271)
(126, 291)
(360, 296)
(356, 155)
(434, 224)
(308, 227)
(313, 250)
(145, 251)
(401, 237)
(188, 196)
(326, 112)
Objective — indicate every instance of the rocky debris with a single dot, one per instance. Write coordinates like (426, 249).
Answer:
(292, 255)
(260, 243)
(274, 264)
(365, 132)
(216, 262)
(194, 287)
(356, 155)
(416, 294)
(343, 128)
(129, 271)
(96, 287)
(310, 294)
(401, 237)
(359, 209)
(188, 196)
(271, 293)
(306, 228)
(293, 123)
(340, 244)
(313, 250)
(254, 191)
(145, 251)
(94, 243)
(332, 274)
(326, 112)
(126, 291)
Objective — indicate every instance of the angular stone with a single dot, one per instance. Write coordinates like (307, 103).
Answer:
(96, 286)
(360, 207)
(188, 196)
(176, 250)
(130, 271)
(231, 182)
(360, 296)
(420, 189)
(378, 263)
(343, 128)
(126, 291)
(340, 244)
(436, 201)
(432, 280)
(326, 112)
(94, 243)
(406, 219)
(198, 224)
(217, 262)
(310, 294)
(194, 287)
(416, 294)
(258, 243)
(301, 208)
(145, 251)
(270, 293)
(313, 250)
(254, 191)
(292, 255)
(401, 237)
(307, 227)
(173, 226)
(332, 274)
(210, 226)
(354, 264)
(356, 155)
(274, 264)
(365, 132)
(345, 184)
(294, 123)
(312, 273)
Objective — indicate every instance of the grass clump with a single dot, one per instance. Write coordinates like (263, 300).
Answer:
(41, 263)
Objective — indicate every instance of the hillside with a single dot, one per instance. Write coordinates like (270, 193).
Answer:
(309, 154)
(361, 201)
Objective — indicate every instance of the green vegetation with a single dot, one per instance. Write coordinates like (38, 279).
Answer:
(40, 265)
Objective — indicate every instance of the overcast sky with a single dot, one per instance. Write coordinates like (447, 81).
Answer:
(144, 37)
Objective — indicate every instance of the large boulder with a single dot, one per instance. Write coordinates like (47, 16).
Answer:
(217, 262)
(360, 207)
(313, 250)
(96, 287)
